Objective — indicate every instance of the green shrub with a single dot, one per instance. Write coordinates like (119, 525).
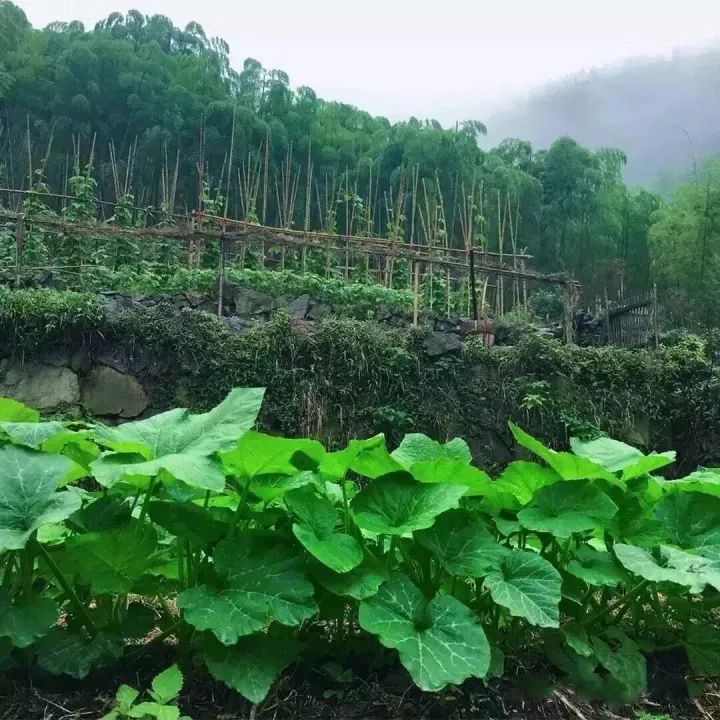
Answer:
(33, 318)
(246, 548)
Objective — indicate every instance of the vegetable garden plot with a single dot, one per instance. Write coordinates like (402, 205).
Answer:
(243, 547)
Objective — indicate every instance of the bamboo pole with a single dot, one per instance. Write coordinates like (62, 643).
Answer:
(308, 193)
(607, 319)
(656, 317)
(29, 154)
(346, 180)
(415, 175)
(473, 288)
(266, 173)
(19, 247)
(416, 291)
(446, 242)
(221, 260)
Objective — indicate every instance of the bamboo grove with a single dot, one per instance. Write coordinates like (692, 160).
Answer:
(170, 124)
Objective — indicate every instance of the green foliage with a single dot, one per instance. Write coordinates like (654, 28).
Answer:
(344, 378)
(683, 249)
(30, 318)
(262, 544)
(135, 90)
(439, 642)
(29, 498)
(164, 692)
(356, 298)
(181, 445)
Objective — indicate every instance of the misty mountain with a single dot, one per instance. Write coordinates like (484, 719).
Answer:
(664, 113)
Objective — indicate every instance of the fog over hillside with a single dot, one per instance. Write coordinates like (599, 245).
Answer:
(662, 112)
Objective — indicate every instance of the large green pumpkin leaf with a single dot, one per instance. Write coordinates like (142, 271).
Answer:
(417, 447)
(262, 586)
(31, 434)
(395, 505)
(648, 464)
(108, 512)
(615, 675)
(595, 567)
(528, 586)
(360, 583)
(440, 642)
(111, 562)
(703, 570)
(431, 462)
(339, 551)
(316, 531)
(229, 614)
(274, 487)
(14, 411)
(180, 443)
(78, 445)
(454, 472)
(369, 457)
(703, 480)
(28, 494)
(62, 652)
(617, 457)
(566, 508)
(579, 665)
(199, 471)
(259, 454)
(566, 465)
(250, 666)
(316, 512)
(462, 544)
(670, 565)
(25, 622)
(702, 644)
(112, 469)
(691, 521)
(187, 520)
(375, 461)
(626, 666)
(521, 479)
(576, 638)
(634, 523)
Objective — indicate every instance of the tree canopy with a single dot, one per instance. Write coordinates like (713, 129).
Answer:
(138, 94)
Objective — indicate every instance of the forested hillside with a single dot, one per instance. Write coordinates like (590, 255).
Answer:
(662, 111)
(146, 110)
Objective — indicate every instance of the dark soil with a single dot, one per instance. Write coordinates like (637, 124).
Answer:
(303, 693)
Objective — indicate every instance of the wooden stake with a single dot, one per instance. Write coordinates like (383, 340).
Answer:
(607, 319)
(221, 262)
(265, 182)
(416, 291)
(221, 275)
(19, 247)
(308, 195)
(570, 293)
(656, 318)
(29, 154)
(473, 289)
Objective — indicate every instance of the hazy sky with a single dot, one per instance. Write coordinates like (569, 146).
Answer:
(448, 59)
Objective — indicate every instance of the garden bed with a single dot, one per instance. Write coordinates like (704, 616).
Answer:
(300, 694)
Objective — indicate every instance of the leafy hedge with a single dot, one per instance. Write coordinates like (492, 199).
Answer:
(245, 548)
(33, 318)
(346, 378)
